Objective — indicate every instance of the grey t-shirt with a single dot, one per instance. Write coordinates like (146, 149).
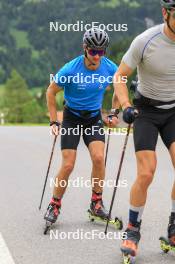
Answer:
(153, 53)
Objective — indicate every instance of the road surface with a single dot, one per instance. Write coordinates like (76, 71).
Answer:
(24, 159)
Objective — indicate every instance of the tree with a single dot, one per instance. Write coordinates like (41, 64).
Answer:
(20, 106)
(28, 45)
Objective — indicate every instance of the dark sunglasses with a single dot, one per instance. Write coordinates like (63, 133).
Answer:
(94, 52)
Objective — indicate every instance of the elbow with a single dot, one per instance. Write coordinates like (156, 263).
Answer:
(49, 94)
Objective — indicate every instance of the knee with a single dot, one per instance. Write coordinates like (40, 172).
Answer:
(98, 159)
(145, 178)
(146, 164)
(68, 167)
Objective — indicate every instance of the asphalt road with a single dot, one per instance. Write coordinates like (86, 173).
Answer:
(24, 159)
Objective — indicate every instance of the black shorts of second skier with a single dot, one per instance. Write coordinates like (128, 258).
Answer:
(152, 122)
(70, 140)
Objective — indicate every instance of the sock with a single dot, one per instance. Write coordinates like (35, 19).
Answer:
(135, 214)
(96, 196)
(56, 200)
(173, 206)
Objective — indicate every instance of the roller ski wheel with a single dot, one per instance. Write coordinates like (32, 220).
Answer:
(128, 259)
(98, 213)
(116, 223)
(168, 244)
(165, 245)
(47, 227)
(129, 256)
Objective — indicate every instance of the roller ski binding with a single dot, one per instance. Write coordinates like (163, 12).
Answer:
(168, 244)
(98, 213)
(52, 213)
(130, 245)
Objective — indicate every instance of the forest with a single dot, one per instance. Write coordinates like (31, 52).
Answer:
(37, 37)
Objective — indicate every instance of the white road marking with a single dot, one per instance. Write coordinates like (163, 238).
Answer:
(5, 256)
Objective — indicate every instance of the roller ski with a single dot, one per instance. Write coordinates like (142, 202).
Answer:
(130, 244)
(168, 244)
(98, 213)
(52, 213)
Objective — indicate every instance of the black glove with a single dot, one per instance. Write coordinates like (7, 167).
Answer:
(129, 114)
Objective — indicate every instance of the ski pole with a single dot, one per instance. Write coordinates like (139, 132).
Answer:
(109, 134)
(118, 176)
(48, 169)
(107, 147)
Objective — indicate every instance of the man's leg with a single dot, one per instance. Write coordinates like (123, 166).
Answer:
(168, 137)
(95, 141)
(69, 143)
(145, 140)
(96, 150)
(172, 153)
(146, 165)
(61, 180)
(171, 226)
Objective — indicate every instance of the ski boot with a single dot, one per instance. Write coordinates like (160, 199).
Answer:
(97, 212)
(52, 213)
(168, 244)
(130, 245)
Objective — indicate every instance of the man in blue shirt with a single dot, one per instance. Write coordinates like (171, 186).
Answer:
(84, 81)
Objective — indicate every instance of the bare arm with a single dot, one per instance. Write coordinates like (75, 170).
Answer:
(115, 102)
(120, 88)
(115, 105)
(52, 90)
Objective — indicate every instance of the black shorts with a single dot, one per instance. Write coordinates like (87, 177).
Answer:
(74, 126)
(151, 122)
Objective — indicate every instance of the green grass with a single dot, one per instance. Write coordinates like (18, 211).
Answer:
(21, 38)
(35, 54)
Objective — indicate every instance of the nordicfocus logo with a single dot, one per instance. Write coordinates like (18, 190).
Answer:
(79, 130)
(80, 234)
(80, 182)
(80, 26)
(80, 78)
